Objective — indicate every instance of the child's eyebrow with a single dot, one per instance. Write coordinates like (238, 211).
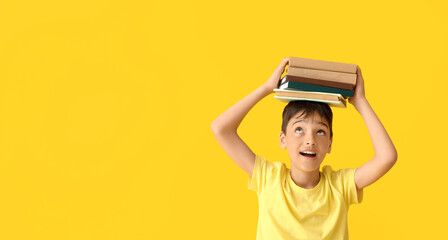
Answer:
(320, 123)
(299, 121)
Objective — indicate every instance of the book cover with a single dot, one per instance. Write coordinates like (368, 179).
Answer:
(324, 78)
(322, 65)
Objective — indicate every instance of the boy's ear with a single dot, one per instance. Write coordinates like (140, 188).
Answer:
(282, 140)
(331, 142)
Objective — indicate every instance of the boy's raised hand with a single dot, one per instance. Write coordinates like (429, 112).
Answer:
(272, 82)
(359, 94)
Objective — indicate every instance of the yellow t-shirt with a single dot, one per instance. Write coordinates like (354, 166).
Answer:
(287, 211)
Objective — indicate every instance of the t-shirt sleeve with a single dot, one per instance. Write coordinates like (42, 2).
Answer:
(351, 194)
(260, 175)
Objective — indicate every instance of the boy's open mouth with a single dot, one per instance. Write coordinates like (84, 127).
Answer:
(308, 154)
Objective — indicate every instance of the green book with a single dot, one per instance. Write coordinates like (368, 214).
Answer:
(315, 88)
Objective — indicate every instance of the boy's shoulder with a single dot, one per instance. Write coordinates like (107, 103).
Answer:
(327, 169)
(271, 167)
(338, 176)
(276, 164)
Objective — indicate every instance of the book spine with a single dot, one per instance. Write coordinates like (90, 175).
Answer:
(324, 78)
(315, 88)
(322, 65)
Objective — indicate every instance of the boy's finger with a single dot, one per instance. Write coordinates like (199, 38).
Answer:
(358, 70)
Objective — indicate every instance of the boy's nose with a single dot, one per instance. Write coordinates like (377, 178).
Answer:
(310, 141)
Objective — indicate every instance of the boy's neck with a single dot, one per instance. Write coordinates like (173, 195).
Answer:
(307, 180)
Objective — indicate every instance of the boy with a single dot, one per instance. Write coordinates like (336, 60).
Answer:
(304, 203)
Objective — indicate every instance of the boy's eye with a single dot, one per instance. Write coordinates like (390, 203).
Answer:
(321, 132)
(299, 130)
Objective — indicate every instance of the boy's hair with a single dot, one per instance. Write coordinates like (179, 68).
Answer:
(308, 107)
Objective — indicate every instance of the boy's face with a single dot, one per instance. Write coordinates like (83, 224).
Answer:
(307, 141)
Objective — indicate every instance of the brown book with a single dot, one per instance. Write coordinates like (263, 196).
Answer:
(321, 77)
(322, 65)
(335, 100)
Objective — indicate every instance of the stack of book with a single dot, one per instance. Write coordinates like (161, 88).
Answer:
(317, 80)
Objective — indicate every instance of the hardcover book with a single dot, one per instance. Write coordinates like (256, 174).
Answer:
(320, 77)
(334, 100)
(322, 65)
(291, 85)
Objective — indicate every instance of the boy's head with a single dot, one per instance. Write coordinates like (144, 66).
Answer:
(307, 108)
(307, 133)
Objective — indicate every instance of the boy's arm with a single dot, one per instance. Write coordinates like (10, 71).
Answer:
(225, 126)
(385, 152)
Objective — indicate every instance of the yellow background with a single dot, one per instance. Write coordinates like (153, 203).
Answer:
(106, 106)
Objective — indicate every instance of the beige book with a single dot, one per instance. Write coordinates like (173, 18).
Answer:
(322, 65)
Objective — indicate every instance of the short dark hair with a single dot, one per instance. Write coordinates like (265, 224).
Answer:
(308, 107)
